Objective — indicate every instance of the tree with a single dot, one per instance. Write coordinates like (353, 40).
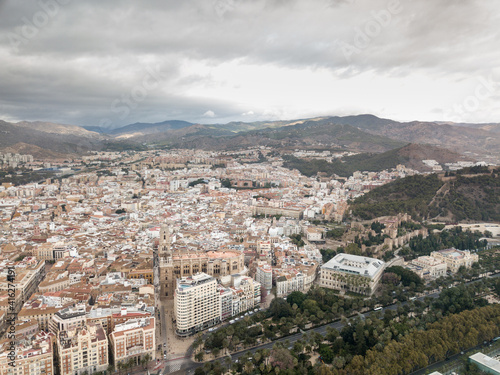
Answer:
(280, 309)
(326, 353)
(282, 359)
(199, 356)
(297, 298)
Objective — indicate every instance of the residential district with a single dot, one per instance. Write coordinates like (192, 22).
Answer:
(119, 259)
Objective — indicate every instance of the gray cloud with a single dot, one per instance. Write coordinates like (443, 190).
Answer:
(70, 61)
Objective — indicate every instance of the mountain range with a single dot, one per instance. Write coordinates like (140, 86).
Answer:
(360, 133)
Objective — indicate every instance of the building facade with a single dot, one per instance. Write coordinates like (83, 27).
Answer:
(31, 357)
(455, 259)
(264, 275)
(82, 350)
(197, 304)
(133, 339)
(352, 273)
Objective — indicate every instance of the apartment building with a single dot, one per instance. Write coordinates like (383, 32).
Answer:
(40, 312)
(133, 339)
(352, 273)
(226, 303)
(54, 282)
(68, 319)
(82, 350)
(287, 283)
(31, 357)
(197, 304)
(28, 274)
(264, 276)
(247, 291)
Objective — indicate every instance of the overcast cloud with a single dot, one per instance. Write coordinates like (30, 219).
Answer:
(113, 62)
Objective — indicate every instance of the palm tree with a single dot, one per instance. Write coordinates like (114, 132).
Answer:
(121, 366)
(145, 360)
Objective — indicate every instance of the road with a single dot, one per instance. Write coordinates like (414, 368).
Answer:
(190, 366)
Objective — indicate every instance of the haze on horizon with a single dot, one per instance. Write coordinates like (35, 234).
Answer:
(118, 62)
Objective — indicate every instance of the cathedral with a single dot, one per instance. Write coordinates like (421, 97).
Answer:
(173, 265)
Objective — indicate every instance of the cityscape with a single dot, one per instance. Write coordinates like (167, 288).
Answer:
(138, 261)
(235, 187)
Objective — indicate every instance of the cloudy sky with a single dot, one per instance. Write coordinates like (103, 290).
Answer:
(112, 63)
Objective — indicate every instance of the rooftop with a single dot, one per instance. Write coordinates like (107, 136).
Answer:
(354, 264)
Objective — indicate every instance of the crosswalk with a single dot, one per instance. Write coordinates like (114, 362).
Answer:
(173, 366)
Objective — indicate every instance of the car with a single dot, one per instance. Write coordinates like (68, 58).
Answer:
(164, 344)
(413, 298)
(165, 352)
(377, 308)
(210, 329)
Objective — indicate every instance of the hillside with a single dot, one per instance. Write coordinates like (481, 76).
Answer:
(481, 139)
(410, 155)
(362, 133)
(366, 133)
(37, 152)
(143, 128)
(460, 198)
(54, 137)
(319, 134)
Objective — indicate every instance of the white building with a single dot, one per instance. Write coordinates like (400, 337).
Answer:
(288, 283)
(264, 276)
(431, 267)
(197, 304)
(352, 273)
(455, 259)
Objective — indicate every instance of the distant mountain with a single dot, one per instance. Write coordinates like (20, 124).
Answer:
(452, 199)
(480, 139)
(142, 128)
(367, 133)
(362, 133)
(96, 129)
(318, 134)
(54, 137)
(410, 155)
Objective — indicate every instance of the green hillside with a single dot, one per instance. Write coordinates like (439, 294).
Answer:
(411, 194)
(348, 165)
(462, 198)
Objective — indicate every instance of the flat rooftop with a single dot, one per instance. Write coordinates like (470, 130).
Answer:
(355, 265)
(486, 361)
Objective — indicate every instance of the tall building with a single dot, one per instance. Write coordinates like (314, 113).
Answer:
(352, 273)
(264, 275)
(197, 304)
(82, 350)
(133, 339)
(31, 357)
